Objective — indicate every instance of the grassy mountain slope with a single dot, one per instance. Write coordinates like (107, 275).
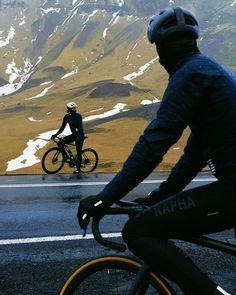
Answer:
(97, 44)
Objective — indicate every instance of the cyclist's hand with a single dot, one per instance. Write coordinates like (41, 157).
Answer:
(53, 136)
(89, 207)
(152, 198)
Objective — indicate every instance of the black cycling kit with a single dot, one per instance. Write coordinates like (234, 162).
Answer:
(200, 94)
(76, 126)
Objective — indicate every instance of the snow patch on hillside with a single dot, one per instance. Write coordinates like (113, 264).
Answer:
(45, 83)
(13, 71)
(10, 36)
(148, 101)
(129, 53)
(42, 93)
(90, 15)
(115, 18)
(23, 22)
(116, 109)
(112, 22)
(73, 11)
(34, 120)
(104, 33)
(17, 73)
(28, 157)
(75, 71)
(141, 71)
(120, 2)
(46, 11)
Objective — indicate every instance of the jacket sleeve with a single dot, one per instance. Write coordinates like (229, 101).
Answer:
(178, 108)
(190, 163)
(63, 125)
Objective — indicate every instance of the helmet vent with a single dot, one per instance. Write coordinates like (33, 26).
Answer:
(170, 24)
(190, 22)
(172, 21)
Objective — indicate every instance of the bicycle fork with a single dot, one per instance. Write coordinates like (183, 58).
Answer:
(140, 285)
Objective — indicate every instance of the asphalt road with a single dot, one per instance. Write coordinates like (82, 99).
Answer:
(41, 243)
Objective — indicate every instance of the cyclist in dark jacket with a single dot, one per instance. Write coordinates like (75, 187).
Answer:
(75, 122)
(201, 94)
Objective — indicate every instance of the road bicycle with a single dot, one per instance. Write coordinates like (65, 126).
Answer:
(118, 274)
(56, 157)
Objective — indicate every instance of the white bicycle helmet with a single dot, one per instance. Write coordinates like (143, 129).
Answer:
(71, 105)
(171, 21)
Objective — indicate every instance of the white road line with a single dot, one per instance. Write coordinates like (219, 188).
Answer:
(55, 239)
(53, 184)
(90, 183)
(70, 237)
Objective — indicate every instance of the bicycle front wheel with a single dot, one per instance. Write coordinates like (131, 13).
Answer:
(112, 275)
(53, 160)
(89, 160)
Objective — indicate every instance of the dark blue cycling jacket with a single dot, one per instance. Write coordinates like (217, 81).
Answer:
(76, 124)
(200, 94)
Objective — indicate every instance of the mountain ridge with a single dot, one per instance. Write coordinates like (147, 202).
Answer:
(96, 53)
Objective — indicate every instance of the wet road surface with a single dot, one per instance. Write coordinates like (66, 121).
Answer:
(41, 243)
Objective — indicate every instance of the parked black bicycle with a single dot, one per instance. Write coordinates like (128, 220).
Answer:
(56, 157)
(117, 274)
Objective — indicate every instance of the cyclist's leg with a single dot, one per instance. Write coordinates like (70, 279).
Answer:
(201, 210)
(79, 145)
(67, 139)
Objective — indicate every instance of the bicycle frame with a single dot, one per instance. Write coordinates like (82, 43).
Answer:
(123, 273)
(67, 150)
(132, 208)
(139, 286)
(64, 146)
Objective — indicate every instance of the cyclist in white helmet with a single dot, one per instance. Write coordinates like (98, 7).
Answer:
(75, 122)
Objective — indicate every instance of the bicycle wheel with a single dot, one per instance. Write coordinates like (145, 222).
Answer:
(89, 160)
(111, 275)
(53, 160)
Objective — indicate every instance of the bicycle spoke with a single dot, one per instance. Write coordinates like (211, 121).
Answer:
(89, 160)
(52, 161)
(110, 282)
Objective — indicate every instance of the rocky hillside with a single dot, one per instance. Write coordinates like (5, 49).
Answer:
(96, 53)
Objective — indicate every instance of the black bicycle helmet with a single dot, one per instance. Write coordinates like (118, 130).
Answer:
(171, 21)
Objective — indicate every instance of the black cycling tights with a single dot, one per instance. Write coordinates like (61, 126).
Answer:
(206, 209)
(79, 145)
